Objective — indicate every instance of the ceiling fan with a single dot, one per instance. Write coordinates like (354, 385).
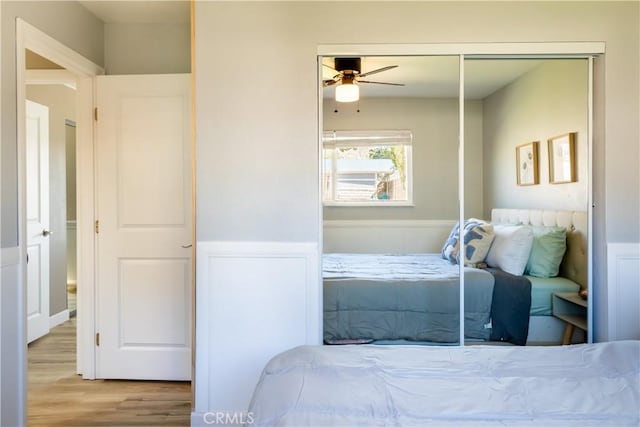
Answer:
(349, 73)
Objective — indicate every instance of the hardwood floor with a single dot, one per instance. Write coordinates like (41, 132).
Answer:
(60, 398)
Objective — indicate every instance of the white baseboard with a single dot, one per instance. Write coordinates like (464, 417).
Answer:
(58, 318)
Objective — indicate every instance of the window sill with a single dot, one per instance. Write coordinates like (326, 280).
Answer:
(368, 204)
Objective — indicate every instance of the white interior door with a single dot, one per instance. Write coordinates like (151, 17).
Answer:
(145, 227)
(37, 169)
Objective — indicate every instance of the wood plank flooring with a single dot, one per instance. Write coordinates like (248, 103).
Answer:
(57, 397)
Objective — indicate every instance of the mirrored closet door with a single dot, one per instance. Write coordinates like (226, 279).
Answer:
(390, 198)
(526, 142)
(400, 134)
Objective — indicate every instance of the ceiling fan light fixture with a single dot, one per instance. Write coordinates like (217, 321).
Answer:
(347, 92)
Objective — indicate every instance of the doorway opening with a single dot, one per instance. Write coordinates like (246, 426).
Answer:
(50, 185)
(72, 69)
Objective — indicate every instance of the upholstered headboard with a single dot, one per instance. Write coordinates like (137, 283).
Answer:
(574, 263)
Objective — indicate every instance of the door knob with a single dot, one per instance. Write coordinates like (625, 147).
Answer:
(45, 233)
(186, 246)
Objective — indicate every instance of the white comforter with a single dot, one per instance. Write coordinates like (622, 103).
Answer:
(580, 385)
(388, 267)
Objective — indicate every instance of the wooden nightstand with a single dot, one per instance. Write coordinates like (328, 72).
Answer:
(569, 307)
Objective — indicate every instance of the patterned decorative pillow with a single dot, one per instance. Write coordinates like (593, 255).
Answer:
(478, 236)
(450, 248)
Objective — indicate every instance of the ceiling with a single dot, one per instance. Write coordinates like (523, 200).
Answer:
(423, 76)
(435, 76)
(139, 11)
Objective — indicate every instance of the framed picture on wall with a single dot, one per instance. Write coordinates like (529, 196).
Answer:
(527, 163)
(562, 158)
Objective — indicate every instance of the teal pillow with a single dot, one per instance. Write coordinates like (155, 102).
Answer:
(549, 245)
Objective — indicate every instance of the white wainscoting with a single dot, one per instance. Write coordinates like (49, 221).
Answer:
(623, 269)
(253, 300)
(386, 236)
(12, 334)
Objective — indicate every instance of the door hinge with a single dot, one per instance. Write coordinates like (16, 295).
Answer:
(97, 226)
(95, 114)
(98, 339)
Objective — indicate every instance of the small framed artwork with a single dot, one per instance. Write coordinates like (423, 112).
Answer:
(562, 158)
(527, 163)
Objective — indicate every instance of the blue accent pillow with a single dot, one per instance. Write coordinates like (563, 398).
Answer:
(478, 236)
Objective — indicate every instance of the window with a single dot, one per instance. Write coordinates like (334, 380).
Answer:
(363, 168)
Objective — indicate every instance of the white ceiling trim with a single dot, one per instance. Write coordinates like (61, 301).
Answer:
(538, 49)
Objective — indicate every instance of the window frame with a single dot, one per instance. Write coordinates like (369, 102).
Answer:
(367, 138)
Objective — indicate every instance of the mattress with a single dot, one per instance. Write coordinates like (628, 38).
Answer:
(541, 290)
(579, 385)
(395, 297)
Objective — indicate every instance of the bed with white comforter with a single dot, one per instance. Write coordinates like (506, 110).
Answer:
(580, 385)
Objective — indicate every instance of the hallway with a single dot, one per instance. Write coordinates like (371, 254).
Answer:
(58, 397)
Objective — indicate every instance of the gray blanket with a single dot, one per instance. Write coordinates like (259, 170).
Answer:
(402, 297)
(510, 307)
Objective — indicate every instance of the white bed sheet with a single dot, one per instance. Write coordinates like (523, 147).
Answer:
(390, 267)
(580, 385)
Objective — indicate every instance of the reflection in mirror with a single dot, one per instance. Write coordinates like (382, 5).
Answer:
(390, 186)
(514, 111)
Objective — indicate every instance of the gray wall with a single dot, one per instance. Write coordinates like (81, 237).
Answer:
(434, 123)
(281, 110)
(72, 25)
(548, 101)
(72, 248)
(61, 101)
(121, 48)
(257, 130)
(147, 48)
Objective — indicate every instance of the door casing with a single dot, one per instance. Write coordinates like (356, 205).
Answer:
(84, 72)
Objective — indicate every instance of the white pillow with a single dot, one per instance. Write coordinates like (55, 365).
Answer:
(510, 248)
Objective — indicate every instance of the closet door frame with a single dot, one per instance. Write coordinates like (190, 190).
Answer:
(537, 50)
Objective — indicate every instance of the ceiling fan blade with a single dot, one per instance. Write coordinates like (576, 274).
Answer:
(330, 82)
(379, 70)
(380, 83)
(331, 68)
